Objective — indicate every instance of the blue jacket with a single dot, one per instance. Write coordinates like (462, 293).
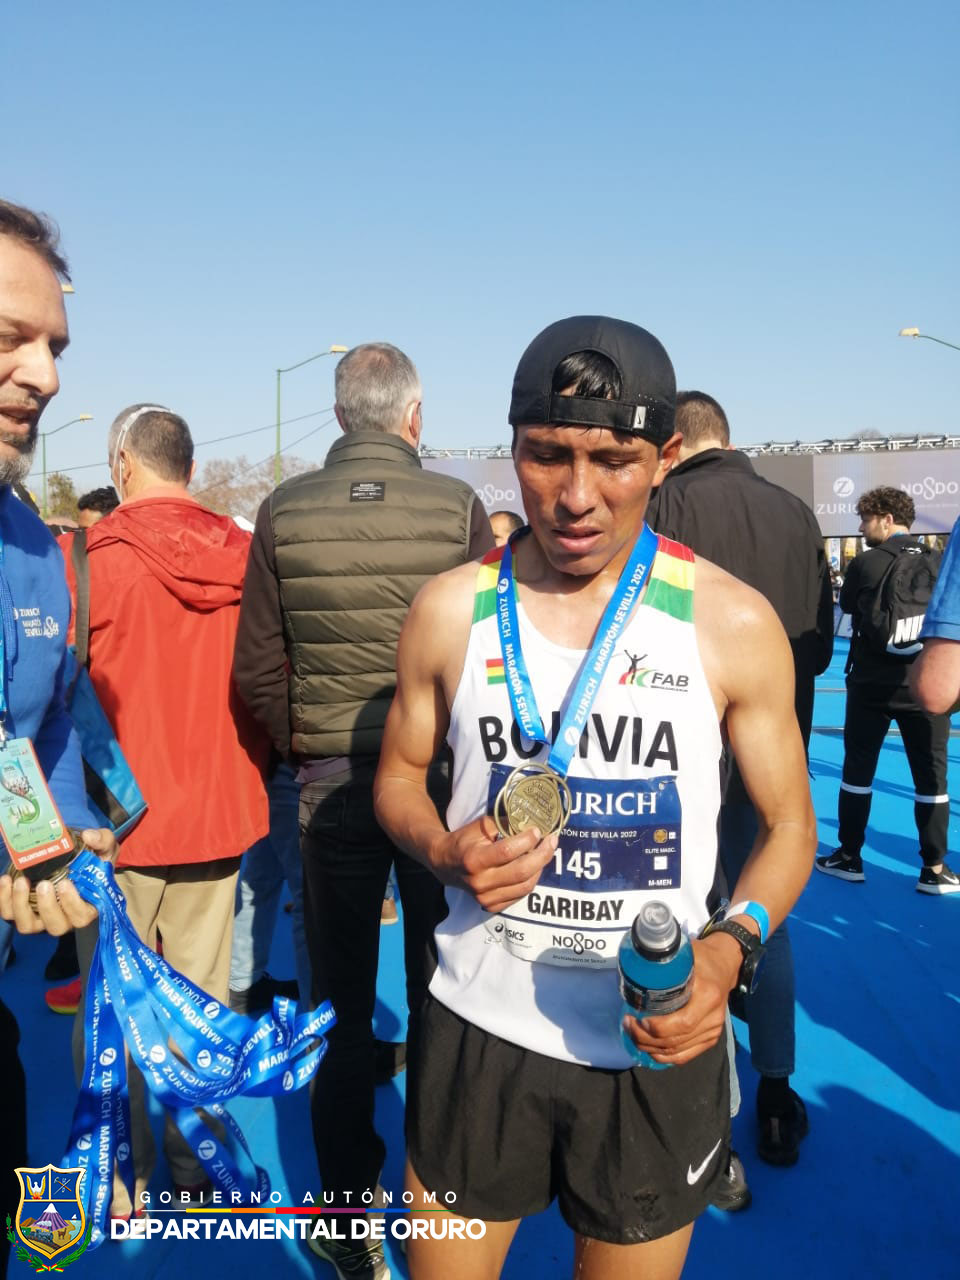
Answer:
(35, 611)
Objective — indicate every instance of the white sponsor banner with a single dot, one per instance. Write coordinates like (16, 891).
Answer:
(930, 476)
(494, 479)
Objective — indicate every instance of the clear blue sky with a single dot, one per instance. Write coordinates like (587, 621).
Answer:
(772, 190)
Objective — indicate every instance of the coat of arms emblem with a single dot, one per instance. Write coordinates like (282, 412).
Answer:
(50, 1218)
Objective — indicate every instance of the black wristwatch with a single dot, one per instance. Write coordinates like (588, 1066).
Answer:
(751, 946)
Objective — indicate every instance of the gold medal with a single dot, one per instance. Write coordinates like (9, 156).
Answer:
(532, 796)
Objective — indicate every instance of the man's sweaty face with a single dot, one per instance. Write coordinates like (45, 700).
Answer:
(585, 491)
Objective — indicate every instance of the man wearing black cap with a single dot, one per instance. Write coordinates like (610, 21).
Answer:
(582, 677)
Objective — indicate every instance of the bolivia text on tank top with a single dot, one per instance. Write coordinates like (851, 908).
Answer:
(645, 786)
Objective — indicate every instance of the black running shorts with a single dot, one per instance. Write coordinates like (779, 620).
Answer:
(630, 1155)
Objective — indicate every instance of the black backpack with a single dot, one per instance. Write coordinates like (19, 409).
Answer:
(891, 623)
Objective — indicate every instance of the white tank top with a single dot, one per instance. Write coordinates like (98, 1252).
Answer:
(646, 790)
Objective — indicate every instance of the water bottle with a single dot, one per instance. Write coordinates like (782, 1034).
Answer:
(656, 971)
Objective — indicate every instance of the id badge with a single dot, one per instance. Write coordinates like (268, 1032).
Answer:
(30, 822)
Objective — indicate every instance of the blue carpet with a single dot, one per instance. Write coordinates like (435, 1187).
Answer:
(878, 1039)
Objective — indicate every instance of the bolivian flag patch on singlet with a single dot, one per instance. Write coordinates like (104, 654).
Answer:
(495, 671)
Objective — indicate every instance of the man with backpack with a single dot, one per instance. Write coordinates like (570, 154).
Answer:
(887, 590)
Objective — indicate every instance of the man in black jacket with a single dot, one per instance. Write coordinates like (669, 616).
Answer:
(337, 557)
(715, 502)
(878, 692)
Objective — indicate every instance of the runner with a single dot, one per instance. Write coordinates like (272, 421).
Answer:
(635, 655)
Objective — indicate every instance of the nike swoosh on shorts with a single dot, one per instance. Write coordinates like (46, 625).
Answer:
(694, 1175)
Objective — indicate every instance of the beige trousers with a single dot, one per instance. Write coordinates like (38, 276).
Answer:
(191, 908)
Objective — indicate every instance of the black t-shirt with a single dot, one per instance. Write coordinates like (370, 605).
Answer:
(863, 577)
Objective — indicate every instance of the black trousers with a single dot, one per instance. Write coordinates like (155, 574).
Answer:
(13, 1129)
(870, 711)
(346, 861)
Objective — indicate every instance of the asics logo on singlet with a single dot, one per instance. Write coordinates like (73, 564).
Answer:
(515, 935)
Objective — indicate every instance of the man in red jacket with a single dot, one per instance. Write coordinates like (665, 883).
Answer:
(165, 582)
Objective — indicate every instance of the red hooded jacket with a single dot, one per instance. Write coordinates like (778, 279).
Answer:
(165, 581)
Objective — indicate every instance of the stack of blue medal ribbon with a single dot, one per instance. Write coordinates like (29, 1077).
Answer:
(133, 996)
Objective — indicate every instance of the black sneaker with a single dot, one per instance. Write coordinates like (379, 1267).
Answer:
(942, 881)
(259, 997)
(843, 865)
(733, 1194)
(781, 1130)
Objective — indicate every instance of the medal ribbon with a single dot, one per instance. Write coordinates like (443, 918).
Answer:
(134, 995)
(615, 616)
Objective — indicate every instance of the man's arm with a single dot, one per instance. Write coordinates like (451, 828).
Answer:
(749, 665)
(935, 675)
(58, 751)
(758, 678)
(850, 587)
(824, 610)
(260, 652)
(430, 657)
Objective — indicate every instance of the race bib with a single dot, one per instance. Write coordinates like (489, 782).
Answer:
(621, 843)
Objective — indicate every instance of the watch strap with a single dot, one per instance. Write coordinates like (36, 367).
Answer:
(749, 942)
(756, 912)
(750, 945)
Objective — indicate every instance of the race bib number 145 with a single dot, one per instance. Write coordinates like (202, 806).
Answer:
(621, 843)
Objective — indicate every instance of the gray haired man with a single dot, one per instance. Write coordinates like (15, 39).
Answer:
(338, 555)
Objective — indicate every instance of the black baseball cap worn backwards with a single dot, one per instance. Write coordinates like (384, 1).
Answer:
(648, 394)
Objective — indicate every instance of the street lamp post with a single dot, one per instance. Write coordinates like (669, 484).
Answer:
(334, 350)
(915, 333)
(84, 417)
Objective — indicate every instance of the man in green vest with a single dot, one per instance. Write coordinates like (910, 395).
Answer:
(338, 555)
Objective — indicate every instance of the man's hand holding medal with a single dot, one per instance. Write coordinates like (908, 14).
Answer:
(54, 907)
(497, 871)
